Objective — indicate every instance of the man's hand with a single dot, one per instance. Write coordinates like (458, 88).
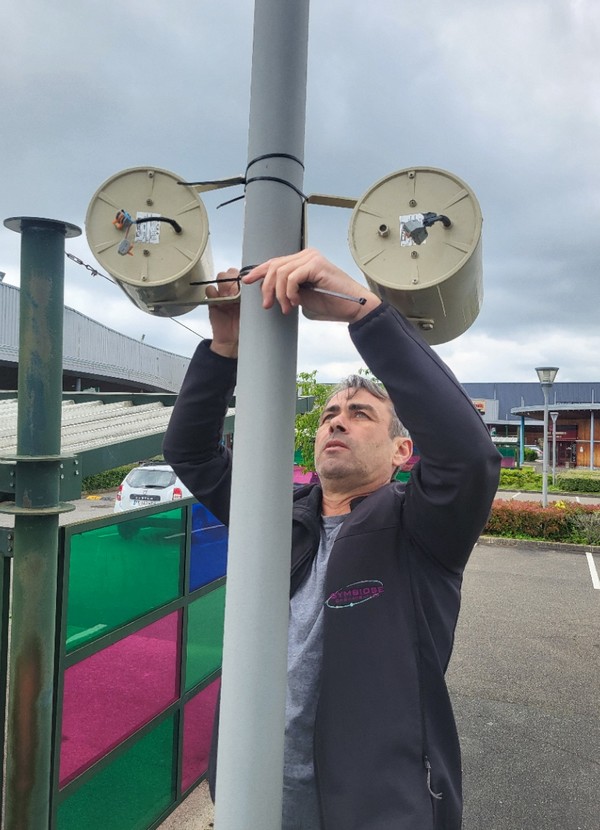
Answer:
(286, 279)
(225, 317)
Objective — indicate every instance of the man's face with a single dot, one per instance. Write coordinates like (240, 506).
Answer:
(353, 443)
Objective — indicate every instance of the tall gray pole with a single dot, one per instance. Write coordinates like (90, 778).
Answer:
(546, 450)
(249, 771)
(554, 416)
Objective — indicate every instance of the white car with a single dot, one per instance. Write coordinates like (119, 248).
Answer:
(149, 484)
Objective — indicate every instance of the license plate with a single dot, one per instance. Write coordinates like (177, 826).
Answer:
(141, 498)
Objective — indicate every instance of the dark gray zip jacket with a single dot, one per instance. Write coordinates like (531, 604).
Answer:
(387, 755)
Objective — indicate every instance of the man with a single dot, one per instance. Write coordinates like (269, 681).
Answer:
(371, 742)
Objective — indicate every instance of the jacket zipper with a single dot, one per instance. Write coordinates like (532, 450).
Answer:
(427, 764)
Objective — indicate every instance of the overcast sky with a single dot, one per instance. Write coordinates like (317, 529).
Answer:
(504, 95)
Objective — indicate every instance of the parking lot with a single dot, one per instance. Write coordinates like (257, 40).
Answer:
(525, 681)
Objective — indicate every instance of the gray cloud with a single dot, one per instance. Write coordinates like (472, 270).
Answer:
(503, 95)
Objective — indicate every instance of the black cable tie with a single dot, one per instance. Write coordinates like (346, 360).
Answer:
(245, 269)
(213, 282)
(281, 181)
(274, 156)
(231, 201)
(265, 179)
(231, 182)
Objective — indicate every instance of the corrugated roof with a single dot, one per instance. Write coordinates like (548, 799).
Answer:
(102, 433)
(93, 350)
(92, 424)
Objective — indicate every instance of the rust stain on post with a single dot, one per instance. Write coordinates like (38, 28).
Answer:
(24, 721)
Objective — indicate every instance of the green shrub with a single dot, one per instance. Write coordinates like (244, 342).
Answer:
(520, 478)
(579, 481)
(560, 522)
(587, 524)
(108, 480)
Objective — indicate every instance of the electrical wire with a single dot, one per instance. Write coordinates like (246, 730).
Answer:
(95, 273)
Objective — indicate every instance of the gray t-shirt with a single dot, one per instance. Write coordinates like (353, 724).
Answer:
(305, 644)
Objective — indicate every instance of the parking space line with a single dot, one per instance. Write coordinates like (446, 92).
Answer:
(593, 571)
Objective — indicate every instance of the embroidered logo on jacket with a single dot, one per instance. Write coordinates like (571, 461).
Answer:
(355, 594)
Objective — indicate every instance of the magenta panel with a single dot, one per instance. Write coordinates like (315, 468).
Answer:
(198, 718)
(111, 694)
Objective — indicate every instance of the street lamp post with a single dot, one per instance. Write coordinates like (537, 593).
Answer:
(546, 375)
(554, 416)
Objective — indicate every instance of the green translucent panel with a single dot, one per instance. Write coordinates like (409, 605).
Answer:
(119, 572)
(204, 636)
(131, 792)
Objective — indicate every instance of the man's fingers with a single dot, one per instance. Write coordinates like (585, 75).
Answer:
(281, 277)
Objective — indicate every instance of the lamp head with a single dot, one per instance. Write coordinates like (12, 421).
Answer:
(546, 374)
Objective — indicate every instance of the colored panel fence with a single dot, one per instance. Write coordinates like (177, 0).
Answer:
(142, 647)
(205, 637)
(197, 732)
(121, 571)
(129, 793)
(112, 693)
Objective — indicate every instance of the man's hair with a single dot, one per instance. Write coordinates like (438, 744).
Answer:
(353, 383)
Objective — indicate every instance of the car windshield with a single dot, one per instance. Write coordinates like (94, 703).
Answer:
(151, 478)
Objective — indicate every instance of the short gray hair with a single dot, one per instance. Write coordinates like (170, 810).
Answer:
(354, 383)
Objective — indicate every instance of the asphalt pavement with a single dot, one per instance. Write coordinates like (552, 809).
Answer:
(524, 679)
(525, 682)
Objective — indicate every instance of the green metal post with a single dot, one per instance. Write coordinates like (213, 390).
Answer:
(31, 698)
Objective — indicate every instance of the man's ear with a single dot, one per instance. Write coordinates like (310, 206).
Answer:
(402, 452)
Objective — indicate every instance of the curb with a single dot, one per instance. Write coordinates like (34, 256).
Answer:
(551, 494)
(533, 544)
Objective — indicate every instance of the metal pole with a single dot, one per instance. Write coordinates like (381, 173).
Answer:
(592, 439)
(36, 510)
(554, 416)
(250, 763)
(545, 456)
(522, 441)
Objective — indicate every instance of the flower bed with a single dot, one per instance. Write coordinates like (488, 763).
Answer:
(560, 522)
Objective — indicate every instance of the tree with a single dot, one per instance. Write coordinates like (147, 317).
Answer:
(307, 422)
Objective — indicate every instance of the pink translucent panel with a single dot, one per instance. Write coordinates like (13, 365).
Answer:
(117, 690)
(198, 718)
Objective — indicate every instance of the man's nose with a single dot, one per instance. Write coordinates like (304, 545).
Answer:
(337, 422)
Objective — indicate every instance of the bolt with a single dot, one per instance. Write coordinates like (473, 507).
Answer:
(413, 203)
(411, 174)
(414, 254)
(146, 252)
(150, 174)
(426, 326)
(415, 281)
(383, 230)
(144, 278)
(149, 202)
